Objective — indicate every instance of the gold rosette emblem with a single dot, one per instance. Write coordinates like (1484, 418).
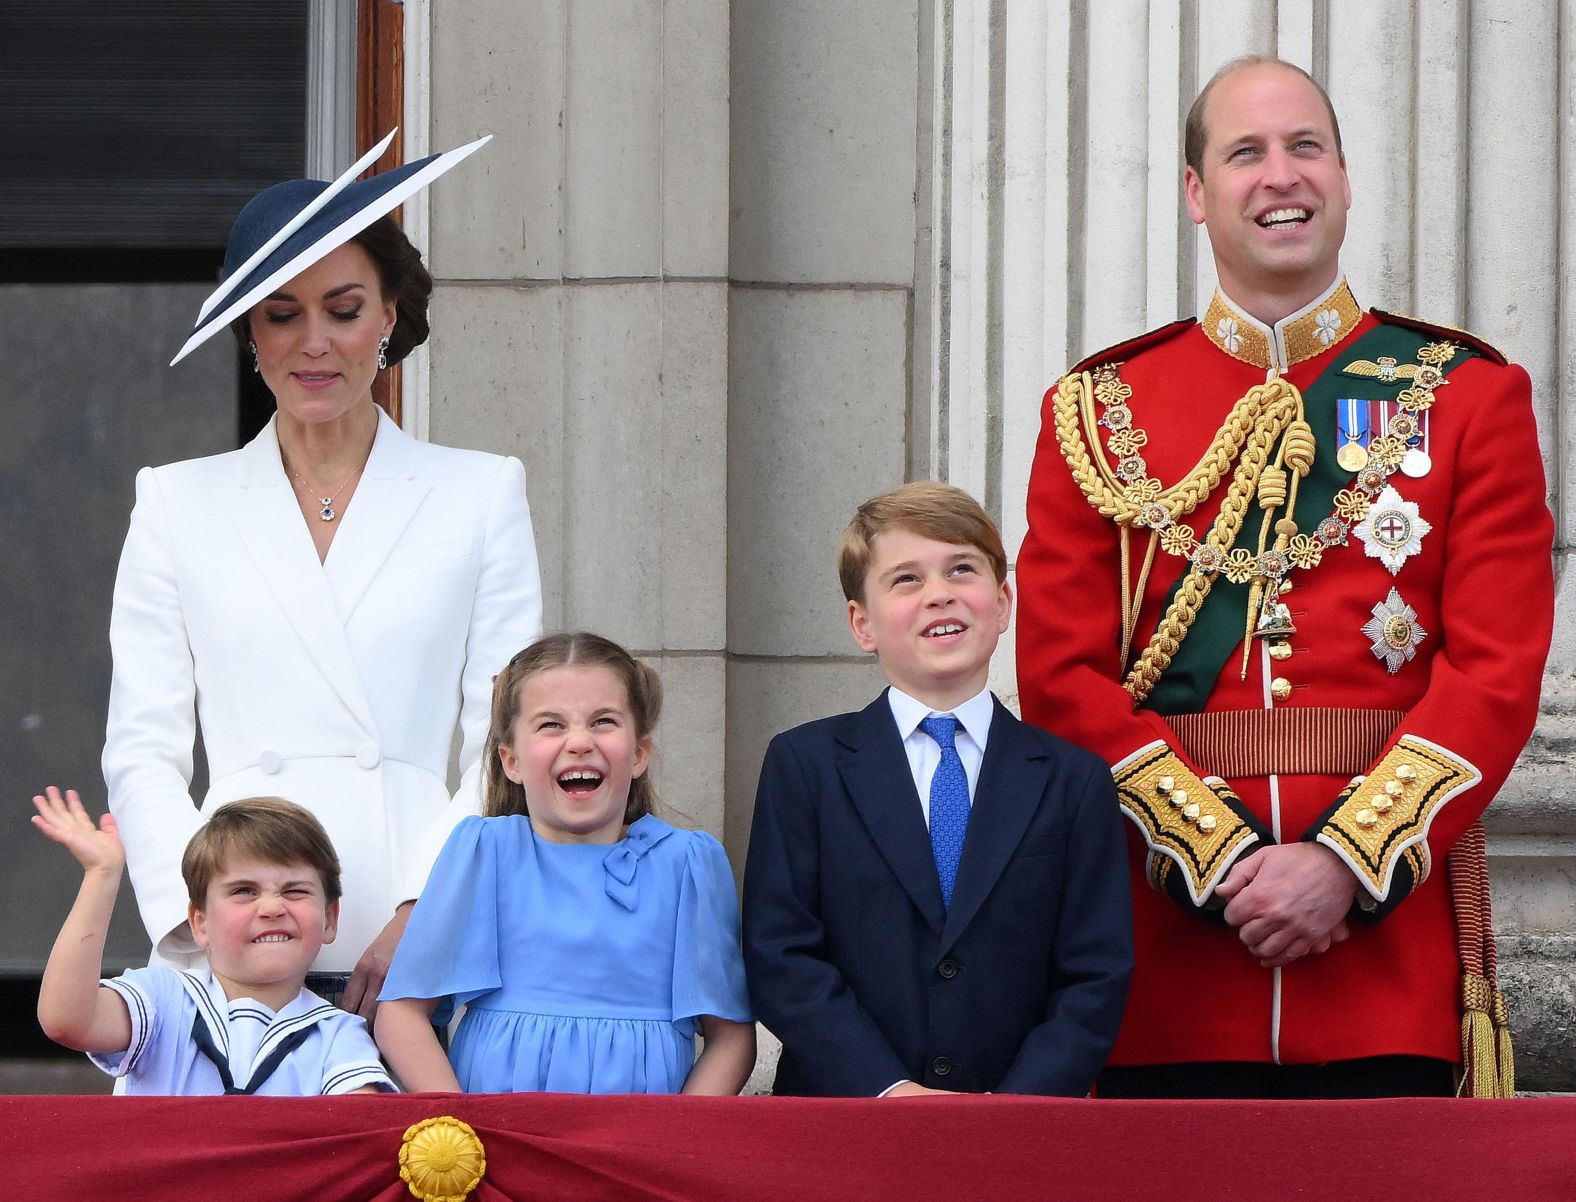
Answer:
(442, 1159)
(1352, 504)
(1239, 565)
(1437, 354)
(1177, 539)
(1304, 551)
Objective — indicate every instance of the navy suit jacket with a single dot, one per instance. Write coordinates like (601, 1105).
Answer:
(853, 961)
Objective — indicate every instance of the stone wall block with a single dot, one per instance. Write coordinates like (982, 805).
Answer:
(817, 399)
(644, 463)
(768, 696)
(689, 749)
(1513, 68)
(695, 138)
(1537, 974)
(694, 533)
(499, 215)
(823, 163)
(612, 139)
(1003, 679)
(499, 386)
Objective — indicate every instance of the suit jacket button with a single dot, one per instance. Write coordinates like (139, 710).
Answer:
(369, 756)
(941, 1066)
(947, 969)
(271, 762)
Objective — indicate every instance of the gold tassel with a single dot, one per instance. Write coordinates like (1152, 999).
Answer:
(1479, 1078)
(1504, 1055)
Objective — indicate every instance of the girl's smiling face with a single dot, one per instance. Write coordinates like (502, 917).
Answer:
(574, 750)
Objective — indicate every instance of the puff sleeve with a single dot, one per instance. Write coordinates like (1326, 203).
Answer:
(708, 964)
(450, 947)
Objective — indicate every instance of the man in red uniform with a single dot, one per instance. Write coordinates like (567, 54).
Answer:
(1289, 570)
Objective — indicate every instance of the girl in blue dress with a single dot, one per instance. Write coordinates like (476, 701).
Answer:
(587, 938)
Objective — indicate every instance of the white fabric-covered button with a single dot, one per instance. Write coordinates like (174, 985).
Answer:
(369, 756)
(271, 762)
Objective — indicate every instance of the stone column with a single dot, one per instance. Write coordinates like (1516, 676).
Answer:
(580, 321)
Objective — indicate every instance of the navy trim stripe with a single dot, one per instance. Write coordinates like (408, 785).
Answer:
(354, 1076)
(137, 1006)
(217, 1027)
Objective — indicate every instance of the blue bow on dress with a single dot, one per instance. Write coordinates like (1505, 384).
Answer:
(620, 863)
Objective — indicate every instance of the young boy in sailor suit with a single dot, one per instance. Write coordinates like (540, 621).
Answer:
(263, 880)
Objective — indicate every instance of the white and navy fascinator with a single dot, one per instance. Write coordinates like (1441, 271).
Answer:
(285, 229)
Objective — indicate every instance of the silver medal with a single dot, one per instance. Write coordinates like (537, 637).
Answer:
(1416, 463)
(1392, 531)
(1393, 632)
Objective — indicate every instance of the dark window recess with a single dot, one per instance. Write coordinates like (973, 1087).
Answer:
(135, 132)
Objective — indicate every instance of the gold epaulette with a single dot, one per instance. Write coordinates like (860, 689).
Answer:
(1444, 333)
(1380, 822)
(1189, 823)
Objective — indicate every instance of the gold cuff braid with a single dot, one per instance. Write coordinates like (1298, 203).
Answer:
(1183, 819)
(1386, 816)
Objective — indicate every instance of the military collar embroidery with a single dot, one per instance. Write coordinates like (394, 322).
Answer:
(1310, 331)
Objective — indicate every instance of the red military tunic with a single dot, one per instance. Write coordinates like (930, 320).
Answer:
(1470, 543)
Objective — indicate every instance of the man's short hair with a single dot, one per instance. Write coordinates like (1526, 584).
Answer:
(1195, 135)
(927, 507)
(270, 829)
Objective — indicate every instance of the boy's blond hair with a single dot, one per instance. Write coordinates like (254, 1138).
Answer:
(270, 829)
(927, 507)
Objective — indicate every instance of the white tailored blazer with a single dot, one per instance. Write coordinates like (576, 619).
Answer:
(337, 685)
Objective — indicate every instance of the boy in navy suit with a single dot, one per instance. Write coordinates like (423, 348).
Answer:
(935, 898)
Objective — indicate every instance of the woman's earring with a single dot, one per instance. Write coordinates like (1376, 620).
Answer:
(256, 366)
(383, 352)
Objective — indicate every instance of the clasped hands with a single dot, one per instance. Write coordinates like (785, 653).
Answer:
(1288, 900)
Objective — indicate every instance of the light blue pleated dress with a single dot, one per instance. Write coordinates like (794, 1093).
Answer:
(583, 966)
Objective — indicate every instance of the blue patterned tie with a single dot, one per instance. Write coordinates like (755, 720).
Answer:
(949, 803)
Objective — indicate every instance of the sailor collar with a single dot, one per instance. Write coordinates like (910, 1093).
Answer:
(1310, 331)
(245, 1040)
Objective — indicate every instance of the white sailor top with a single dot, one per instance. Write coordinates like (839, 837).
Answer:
(189, 1040)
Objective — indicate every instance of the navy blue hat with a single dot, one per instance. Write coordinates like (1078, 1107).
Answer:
(285, 229)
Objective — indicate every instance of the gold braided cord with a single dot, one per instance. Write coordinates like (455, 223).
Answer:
(1300, 447)
(1128, 617)
(1137, 601)
(1074, 403)
(1248, 438)
(1079, 391)
(1282, 404)
(1297, 450)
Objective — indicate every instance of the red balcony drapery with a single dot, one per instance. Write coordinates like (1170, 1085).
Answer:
(548, 1147)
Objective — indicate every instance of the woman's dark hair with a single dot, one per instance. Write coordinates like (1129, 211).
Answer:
(405, 280)
(402, 278)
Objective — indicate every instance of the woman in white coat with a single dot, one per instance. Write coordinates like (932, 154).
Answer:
(326, 604)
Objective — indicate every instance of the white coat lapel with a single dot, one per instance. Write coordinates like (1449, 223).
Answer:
(387, 498)
(268, 520)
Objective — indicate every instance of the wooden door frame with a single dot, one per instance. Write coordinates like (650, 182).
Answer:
(380, 106)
